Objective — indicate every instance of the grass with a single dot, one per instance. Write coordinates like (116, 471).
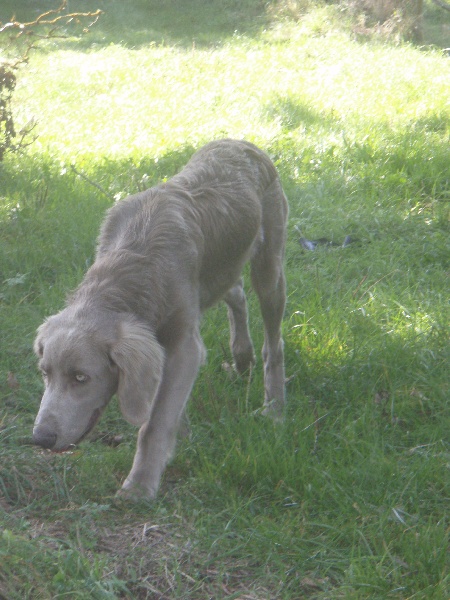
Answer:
(348, 498)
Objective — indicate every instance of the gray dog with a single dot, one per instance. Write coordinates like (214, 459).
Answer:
(132, 327)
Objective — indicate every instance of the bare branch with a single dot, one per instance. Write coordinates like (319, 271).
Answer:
(94, 183)
(24, 37)
(44, 20)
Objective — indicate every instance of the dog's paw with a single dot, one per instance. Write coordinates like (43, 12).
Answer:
(274, 410)
(244, 361)
(242, 366)
(131, 492)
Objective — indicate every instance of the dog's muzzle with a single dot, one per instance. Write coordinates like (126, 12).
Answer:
(44, 437)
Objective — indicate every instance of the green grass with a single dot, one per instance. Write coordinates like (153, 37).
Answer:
(348, 498)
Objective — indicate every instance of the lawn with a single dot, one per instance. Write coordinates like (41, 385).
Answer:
(348, 496)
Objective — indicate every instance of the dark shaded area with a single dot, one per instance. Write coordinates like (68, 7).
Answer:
(7, 131)
(142, 22)
(346, 172)
(292, 114)
(192, 23)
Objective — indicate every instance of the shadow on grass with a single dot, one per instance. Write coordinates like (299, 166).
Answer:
(358, 416)
(173, 22)
(58, 211)
(293, 114)
(50, 219)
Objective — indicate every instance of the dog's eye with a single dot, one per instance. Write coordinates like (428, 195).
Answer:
(81, 377)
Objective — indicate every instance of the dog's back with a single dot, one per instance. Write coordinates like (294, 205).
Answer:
(210, 216)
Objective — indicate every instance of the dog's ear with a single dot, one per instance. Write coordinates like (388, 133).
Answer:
(39, 341)
(140, 360)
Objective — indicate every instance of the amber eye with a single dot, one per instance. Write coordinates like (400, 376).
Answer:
(81, 378)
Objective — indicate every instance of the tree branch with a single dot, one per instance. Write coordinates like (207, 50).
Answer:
(46, 26)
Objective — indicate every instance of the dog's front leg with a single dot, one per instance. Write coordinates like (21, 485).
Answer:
(157, 437)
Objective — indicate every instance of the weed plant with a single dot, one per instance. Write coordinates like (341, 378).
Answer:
(348, 497)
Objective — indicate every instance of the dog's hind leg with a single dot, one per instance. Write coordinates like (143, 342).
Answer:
(269, 283)
(272, 301)
(240, 341)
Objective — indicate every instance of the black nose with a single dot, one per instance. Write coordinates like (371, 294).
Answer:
(44, 437)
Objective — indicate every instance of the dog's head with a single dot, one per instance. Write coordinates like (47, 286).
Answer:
(84, 362)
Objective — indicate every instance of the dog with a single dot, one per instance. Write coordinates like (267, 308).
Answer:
(131, 328)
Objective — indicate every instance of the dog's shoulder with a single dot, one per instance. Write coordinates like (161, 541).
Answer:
(122, 218)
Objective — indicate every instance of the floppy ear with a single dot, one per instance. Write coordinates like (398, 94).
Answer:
(140, 360)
